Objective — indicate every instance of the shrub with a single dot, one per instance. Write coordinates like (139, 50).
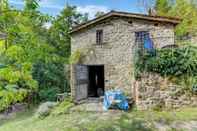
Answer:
(16, 83)
(179, 63)
(52, 79)
(48, 94)
(45, 109)
(78, 55)
(11, 96)
(75, 57)
(175, 62)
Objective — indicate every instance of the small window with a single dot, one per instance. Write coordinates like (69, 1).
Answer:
(130, 22)
(140, 37)
(156, 24)
(99, 37)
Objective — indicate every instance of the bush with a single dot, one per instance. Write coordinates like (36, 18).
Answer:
(45, 109)
(175, 62)
(11, 96)
(52, 79)
(48, 94)
(180, 63)
(16, 83)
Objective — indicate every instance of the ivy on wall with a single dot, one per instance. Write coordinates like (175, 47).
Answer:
(77, 56)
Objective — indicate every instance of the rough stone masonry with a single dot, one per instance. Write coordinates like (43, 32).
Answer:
(116, 52)
(156, 92)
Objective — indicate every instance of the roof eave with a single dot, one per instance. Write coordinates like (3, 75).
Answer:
(174, 21)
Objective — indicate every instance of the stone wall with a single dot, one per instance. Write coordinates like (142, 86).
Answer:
(155, 92)
(194, 39)
(116, 54)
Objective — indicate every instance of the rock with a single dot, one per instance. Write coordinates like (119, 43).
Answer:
(44, 109)
(18, 107)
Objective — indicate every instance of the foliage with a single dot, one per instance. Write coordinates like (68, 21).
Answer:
(48, 94)
(33, 56)
(24, 47)
(176, 62)
(45, 109)
(75, 57)
(51, 74)
(16, 81)
(17, 71)
(10, 94)
(59, 32)
(52, 79)
(138, 62)
(99, 13)
(162, 7)
(31, 5)
(185, 9)
(78, 55)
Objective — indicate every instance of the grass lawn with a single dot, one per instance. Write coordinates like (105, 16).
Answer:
(97, 121)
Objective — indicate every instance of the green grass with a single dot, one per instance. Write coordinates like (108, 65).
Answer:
(18, 116)
(86, 121)
(184, 114)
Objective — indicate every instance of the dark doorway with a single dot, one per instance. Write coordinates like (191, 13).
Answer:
(96, 81)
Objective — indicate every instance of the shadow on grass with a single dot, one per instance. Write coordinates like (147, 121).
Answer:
(19, 116)
(124, 123)
(127, 124)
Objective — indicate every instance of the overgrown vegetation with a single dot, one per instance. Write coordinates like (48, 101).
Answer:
(80, 54)
(173, 61)
(33, 57)
(185, 9)
(179, 64)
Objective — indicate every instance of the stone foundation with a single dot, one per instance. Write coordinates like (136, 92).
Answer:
(155, 92)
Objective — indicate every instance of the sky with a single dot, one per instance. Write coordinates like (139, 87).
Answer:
(53, 7)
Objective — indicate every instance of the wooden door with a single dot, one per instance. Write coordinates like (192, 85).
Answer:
(82, 80)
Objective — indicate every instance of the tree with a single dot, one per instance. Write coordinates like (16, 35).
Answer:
(34, 58)
(51, 75)
(185, 9)
(25, 46)
(188, 12)
(162, 7)
(99, 13)
(3, 5)
(31, 5)
(61, 27)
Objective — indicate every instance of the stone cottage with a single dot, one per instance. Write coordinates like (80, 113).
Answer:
(107, 45)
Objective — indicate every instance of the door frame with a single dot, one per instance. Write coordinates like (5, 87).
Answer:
(76, 81)
(102, 65)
